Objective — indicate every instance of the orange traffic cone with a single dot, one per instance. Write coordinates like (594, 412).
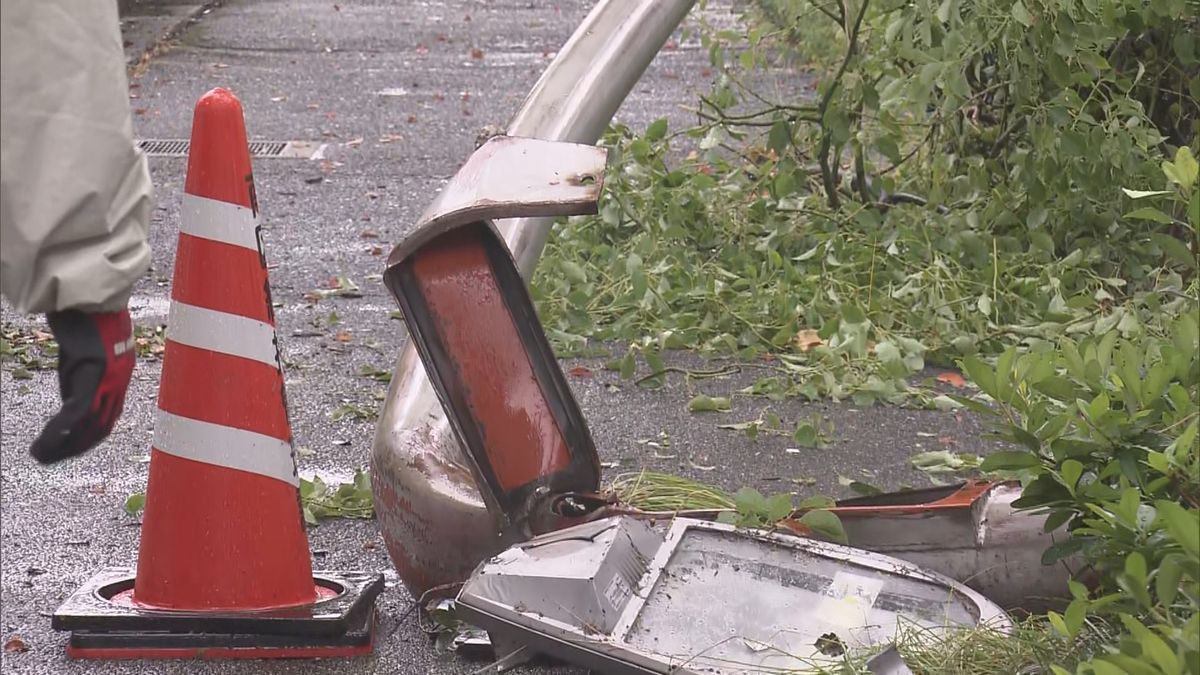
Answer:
(222, 526)
(223, 544)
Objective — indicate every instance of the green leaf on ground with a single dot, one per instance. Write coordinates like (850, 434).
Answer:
(135, 503)
(704, 403)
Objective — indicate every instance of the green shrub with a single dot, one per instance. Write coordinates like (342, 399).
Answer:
(1009, 184)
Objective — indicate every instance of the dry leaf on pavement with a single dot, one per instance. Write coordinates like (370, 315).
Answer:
(15, 645)
(808, 339)
(952, 378)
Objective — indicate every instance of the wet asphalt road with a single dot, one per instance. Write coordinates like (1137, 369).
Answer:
(396, 93)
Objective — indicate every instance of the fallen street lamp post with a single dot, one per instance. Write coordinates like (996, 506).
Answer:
(471, 319)
(481, 446)
(612, 592)
(433, 517)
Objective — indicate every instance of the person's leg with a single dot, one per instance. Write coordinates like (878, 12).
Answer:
(75, 193)
(74, 203)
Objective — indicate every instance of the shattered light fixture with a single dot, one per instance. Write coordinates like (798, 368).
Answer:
(612, 594)
(450, 488)
(888, 662)
(616, 596)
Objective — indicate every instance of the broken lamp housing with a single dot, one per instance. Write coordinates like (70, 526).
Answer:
(616, 596)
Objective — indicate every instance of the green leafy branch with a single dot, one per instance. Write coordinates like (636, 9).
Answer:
(344, 500)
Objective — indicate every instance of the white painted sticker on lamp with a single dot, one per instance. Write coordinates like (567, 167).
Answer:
(849, 599)
(617, 592)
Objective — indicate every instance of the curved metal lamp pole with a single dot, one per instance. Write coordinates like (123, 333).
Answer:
(433, 518)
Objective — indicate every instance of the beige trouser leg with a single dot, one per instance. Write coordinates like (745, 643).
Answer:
(74, 192)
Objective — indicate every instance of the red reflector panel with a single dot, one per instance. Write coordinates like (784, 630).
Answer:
(521, 437)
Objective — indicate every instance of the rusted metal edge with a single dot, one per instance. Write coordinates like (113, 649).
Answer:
(914, 501)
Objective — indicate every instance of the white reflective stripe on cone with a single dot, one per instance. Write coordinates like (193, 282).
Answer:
(219, 221)
(222, 332)
(225, 446)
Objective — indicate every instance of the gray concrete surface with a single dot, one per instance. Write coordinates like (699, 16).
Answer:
(397, 92)
(147, 24)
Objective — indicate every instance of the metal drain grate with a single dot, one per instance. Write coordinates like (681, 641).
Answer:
(178, 147)
(266, 148)
(159, 148)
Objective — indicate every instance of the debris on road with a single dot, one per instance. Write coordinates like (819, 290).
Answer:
(339, 286)
(467, 309)
(15, 645)
(434, 514)
(968, 531)
(585, 578)
(888, 662)
(618, 596)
